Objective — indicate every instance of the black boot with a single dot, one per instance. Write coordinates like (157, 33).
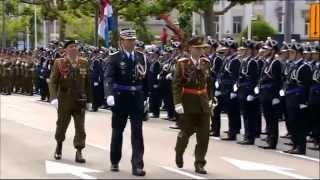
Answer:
(246, 141)
(200, 169)
(230, 137)
(114, 167)
(58, 152)
(179, 160)
(138, 172)
(79, 158)
(296, 150)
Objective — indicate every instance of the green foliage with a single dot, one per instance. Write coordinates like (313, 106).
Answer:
(260, 29)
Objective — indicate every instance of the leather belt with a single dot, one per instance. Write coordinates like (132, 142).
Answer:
(126, 87)
(194, 91)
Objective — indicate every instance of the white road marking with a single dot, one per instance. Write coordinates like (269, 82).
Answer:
(300, 156)
(61, 168)
(182, 172)
(253, 166)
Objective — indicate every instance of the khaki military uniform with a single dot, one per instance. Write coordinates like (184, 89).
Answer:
(28, 75)
(192, 87)
(70, 85)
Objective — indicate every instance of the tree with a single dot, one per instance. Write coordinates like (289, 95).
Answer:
(260, 30)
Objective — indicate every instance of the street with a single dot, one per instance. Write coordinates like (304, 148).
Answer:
(27, 147)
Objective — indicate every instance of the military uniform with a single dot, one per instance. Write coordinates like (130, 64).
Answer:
(224, 88)
(249, 103)
(296, 90)
(125, 85)
(96, 79)
(154, 99)
(192, 89)
(268, 89)
(69, 83)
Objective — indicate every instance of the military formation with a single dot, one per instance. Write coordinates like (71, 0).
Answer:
(194, 82)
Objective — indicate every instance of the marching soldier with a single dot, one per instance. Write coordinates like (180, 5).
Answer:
(268, 89)
(296, 89)
(125, 85)
(69, 93)
(192, 89)
(249, 103)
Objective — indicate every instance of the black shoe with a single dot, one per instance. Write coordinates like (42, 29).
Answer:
(179, 161)
(264, 139)
(138, 172)
(288, 143)
(200, 170)
(58, 152)
(287, 136)
(267, 147)
(172, 119)
(79, 158)
(315, 147)
(295, 151)
(154, 116)
(214, 134)
(175, 126)
(229, 138)
(246, 142)
(114, 168)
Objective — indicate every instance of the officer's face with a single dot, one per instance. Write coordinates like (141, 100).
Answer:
(128, 44)
(196, 51)
(292, 55)
(72, 51)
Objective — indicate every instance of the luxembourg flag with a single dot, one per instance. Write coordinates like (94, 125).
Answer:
(106, 21)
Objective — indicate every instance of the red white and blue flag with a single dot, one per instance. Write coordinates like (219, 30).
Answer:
(106, 21)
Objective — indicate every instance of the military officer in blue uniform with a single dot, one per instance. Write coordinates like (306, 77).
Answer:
(314, 97)
(125, 85)
(96, 82)
(268, 89)
(296, 90)
(224, 88)
(249, 103)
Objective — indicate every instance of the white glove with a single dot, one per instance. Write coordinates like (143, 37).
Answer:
(55, 103)
(89, 105)
(110, 101)
(217, 93)
(275, 101)
(216, 84)
(303, 106)
(179, 108)
(158, 76)
(256, 90)
(250, 98)
(169, 76)
(281, 93)
(95, 83)
(233, 95)
(146, 105)
(48, 80)
(235, 88)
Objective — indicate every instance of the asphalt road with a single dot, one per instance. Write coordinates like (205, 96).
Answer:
(27, 147)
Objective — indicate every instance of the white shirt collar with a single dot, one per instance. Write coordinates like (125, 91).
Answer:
(195, 62)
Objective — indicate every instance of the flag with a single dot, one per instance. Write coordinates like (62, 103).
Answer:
(106, 21)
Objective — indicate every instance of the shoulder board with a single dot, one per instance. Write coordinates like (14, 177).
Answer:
(111, 54)
(205, 59)
(139, 52)
(183, 59)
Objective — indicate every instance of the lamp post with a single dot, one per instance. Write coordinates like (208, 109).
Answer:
(4, 33)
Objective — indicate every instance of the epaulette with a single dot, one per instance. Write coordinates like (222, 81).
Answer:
(205, 59)
(111, 54)
(183, 59)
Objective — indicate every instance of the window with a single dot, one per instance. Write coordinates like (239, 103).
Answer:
(306, 27)
(216, 23)
(237, 24)
(280, 24)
